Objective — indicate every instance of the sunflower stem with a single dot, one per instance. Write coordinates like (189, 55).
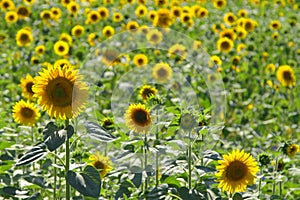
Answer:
(55, 178)
(274, 177)
(156, 156)
(145, 161)
(67, 164)
(259, 183)
(189, 162)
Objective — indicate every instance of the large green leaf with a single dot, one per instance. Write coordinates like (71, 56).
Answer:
(36, 153)
(99, 133)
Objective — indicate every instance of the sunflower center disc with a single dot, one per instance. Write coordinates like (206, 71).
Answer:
(99, 165)
(140, 117)
(236, 171)
(162, 73)
(287, 75)
(29, 87)
(26, 112)
(24, 37)
(60, 92)
(225, 45)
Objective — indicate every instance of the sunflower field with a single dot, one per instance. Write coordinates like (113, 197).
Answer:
(149, 99)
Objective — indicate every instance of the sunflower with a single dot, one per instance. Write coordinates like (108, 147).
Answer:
(176, 11)
(62, 63)
(216, 60)
(25, 113)
(147, 91)
(73, 8)
(285, 76)
(24, 37)
(60, 92)
(154, 36)
(152, 14)
(7, 5)
(229, 33)
(117, 17)
(102, 163)
(108, 123)
(66, 38)
(46, 15)
(162, 72)
(186, 18)
(275, 25)
(11, 17)
(292, 149)
(177, 50)
(104, 13)
(197, 44)
(61, 48)
(236, 60)
(161, 2)
(56, 13)
(108, 31)
(93, 17)
(219, 3)
(138, 118)
(140, 60)
(91, 39)
(109, 57)
(201, 13)
(229, 18)
(34, 60)
(144, 29)
(242, 13)
(225, 45)
(29, 2)
(240, 32)
(236, 171)
(40, 50)
(141, 11)
(77, 30)
(132, 26)
(163, 18)
(26, 84)
(270, 68)
(23, 12)
(249, 24)
(66, 2)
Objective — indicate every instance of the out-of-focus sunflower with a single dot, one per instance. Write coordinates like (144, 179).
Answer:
(104, 12)
(25, 113)
(132, 26)
(154, 36)
(109, 57)
(93, 17)
(161, 2)
(270, 68)
(141, 11)
(108, 31)
(225, 45)
(56, 13)
(216, 60)
(26, 84)
(66, 2)
(152, 14)
(117, 17)
(144, 29)
(176, 11)
(162, 72)
(138, 118)
(229, 18)
(243, 13)
(23, 12)
(147, 91)
(77, 30)
(219, 3)
(66, 38)
(140, 60)
(46, 15)
(34, 60)
(240, 32)
(73, 8)
(163, 18)
(177, 50)
(229, 33)
(236, 171)
(201, 13)
(24, 37)
(91, 39)
(7, 5)
(102, 163)
(249, 24)
(29, 2)
(187, 19)
(11, 17)
(275, 25)
(40, 50)
(62, 63)
(61, 48)
(60, 92)
(292, 149)
(285, 75)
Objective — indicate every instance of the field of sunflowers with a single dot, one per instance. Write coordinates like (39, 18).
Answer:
(149, 99)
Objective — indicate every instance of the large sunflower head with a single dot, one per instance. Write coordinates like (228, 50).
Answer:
(60, 92)
(237, 170)
(102, 163)
(138, 118)
(25, 113)
(285, 76)
(162, 72)
(26, 84)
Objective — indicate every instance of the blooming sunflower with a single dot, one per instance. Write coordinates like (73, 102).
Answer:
(177, 50)
(229, 33)
(108, 31)
(141, 11)
(152, 14)
(46, 15)
(216, 60)
(11, 17)
(132, 26)
(7, 5)
(61, 48)
(25, 113)
(292, 149)
(162, 72)
(154, 36)
(140, 60)
(285, 76)
(102, 163)
(60, 92)
(275, 25)
(225, 44)
(93, 17)
(138, 118)
(147, 91)
(202, 12)
(236, 171)
(163, 18)
(56, 13)
(176, 11)
(23, 12)
(117, 17)
(24, 37)
(77, 30)
(219, 3)
(73, 8)
(229, 18)
(104, 12)
(66, 38)
(40, 50)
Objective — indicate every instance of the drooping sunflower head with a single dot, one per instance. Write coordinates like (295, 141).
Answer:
(102, 163)
(25, 113)
(285, 76)
(162, 72)
(147, 91)
(138, 118)
(60, 92)
(26, 84)
(237, 170)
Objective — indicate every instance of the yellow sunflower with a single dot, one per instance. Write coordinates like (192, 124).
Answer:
(56, 13)
(24, 37)
(93, 17)
(163, 18)
(285, 76)
(162, 72)
(108, 31)
(147, 91)
(117, 17)
(7, 5)
(62, 63)
(292, 149)
(141, 11)
(73, 7)
(60, 92)
(77, 30)
(138, 118)
(219, 3)
(216, 60)
(66, 38)
(242, 13)
(102, 163)
(229, 33)
(40, 50)
(132, 26)
(23, 12)
(201, 13)
(11, 17)
(104, 12)
(140, 60)
(275, 25)
(46, 15)
(177, 50)
(26, 84)
(176, 11)
(91, 39)
(61, 48)
(29, 2)
(236, 171)
(25, 113)
(154, 36)
(152, 14)
(225, 45)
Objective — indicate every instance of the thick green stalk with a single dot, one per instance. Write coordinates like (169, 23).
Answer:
(55, 177)
(189, 162)
(157, 155)
(67, 167)
(259, 183)
(145, 161)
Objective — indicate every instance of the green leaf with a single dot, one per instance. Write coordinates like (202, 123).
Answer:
(87, 183)
(33, 155)
(172, 181)
(4, 145)
(99, 133)
(237, 196)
